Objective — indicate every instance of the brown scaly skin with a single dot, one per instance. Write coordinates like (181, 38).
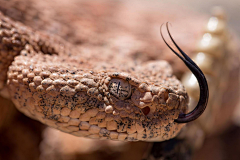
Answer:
(86, 98)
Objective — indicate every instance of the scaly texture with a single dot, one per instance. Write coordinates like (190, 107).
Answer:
(65, 89)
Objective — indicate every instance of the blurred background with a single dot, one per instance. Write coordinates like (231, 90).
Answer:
(226, 144)
(232, 8)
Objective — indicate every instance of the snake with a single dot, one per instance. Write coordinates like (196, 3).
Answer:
(88, 99)
(44, 81)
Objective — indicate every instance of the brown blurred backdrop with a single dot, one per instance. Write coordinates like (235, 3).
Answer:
(232, 8)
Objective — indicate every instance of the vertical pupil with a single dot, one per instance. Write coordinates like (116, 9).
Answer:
(118, 87)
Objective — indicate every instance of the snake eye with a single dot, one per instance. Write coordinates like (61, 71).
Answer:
(120, 88)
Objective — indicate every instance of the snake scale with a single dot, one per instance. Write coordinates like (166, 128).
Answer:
(72, 88)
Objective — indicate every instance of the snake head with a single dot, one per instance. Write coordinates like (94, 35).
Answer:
(144, 102)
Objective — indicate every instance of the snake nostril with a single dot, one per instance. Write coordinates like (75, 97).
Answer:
(146, 110)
